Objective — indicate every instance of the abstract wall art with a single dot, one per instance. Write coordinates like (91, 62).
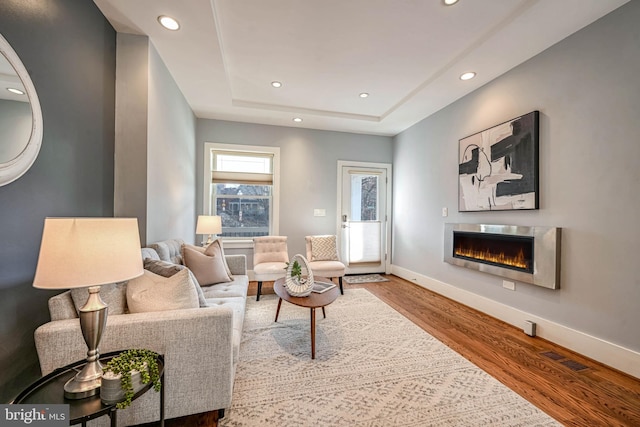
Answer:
(498, 167)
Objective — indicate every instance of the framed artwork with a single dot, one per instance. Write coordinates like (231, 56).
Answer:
(498, 167)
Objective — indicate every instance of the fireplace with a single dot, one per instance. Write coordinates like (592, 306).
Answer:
(526, 254)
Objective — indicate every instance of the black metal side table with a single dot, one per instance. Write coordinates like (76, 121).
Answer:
(50, 390)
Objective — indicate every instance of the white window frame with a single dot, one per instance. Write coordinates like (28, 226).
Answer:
(274, 220)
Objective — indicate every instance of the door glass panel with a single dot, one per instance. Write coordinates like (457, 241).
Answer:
(364, 197)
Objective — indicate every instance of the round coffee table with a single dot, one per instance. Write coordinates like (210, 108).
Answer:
(313, 301)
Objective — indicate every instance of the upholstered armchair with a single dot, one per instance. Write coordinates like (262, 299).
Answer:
(324, 261)
(270, 258)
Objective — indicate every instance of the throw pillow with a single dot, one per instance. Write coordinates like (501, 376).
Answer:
(114, 295)
(167, 269)
(207, 265)
(323, 248)
(151, 292)
(213, 248)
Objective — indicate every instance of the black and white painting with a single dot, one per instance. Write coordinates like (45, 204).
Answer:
(498, 167)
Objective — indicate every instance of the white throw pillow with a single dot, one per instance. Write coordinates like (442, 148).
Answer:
(151, 292)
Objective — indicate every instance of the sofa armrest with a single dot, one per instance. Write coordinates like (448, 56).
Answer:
(196, 344)
(237, 264)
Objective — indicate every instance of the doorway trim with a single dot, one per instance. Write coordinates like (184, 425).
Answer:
(387, 209)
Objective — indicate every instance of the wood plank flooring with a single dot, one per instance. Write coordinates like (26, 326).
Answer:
(594, 396)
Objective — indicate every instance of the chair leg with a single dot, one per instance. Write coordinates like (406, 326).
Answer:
(259, 291)
(340, 281)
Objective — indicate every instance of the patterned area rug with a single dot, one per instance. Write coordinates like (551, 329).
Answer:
(373, 367)
(364, 278)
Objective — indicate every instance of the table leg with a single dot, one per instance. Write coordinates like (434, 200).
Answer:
(313, 333)
(278, 310)
(113, 416)
(162, 400)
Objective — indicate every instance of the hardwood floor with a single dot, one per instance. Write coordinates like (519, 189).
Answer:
(593, 396)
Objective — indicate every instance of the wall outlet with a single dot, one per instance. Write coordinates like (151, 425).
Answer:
(445, 212)
(319, 212)
(509, 285)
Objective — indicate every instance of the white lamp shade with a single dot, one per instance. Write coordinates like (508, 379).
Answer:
(208, 224)
(81, 252)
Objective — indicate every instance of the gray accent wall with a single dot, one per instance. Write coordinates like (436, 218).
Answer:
(588, 95)
(308, 169)
(68, 48)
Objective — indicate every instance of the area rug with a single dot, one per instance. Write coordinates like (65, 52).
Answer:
(373, 367)
(364, 278)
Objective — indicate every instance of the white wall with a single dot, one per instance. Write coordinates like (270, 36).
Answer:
(308, 167)
(586, 90)
(155, 145)
(171, 157)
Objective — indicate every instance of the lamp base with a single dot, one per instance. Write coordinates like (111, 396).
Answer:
(75, 389)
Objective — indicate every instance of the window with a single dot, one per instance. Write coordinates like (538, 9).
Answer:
(241, 186)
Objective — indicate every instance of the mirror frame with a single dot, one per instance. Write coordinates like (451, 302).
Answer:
(15, 168)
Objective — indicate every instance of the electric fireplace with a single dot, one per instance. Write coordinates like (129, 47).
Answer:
(526, 254)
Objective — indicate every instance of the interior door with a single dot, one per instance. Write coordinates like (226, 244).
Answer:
(364, 215)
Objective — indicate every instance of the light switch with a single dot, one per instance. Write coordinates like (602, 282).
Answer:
(445, 212)
(319, 212)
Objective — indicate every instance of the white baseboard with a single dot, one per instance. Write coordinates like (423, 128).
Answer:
(620, 358)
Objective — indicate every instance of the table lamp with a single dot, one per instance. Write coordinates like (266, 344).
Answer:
(209, 224)
(88, 252)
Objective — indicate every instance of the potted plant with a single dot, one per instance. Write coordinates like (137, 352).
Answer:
(127, 373)
(296, 270)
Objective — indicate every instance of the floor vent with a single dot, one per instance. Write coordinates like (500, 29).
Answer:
(573, 365)
(552, 355)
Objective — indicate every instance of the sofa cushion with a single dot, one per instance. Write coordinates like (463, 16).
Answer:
(148, 253)
(167, 269)
(237, 288)
(152, 292)
(323, 248)
(114, 295)
(209, 266)
(169, 250)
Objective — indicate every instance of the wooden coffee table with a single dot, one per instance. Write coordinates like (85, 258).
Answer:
(313, 301)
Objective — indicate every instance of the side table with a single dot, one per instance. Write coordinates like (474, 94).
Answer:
(50, 390)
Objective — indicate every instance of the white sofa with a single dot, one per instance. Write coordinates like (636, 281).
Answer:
(200, 345)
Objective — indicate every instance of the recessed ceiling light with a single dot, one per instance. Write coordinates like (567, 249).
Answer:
(449, 2)
(276, 84)
(168, 22)
(297, 119)
(467, 76)
(16, 91)
(364, 95)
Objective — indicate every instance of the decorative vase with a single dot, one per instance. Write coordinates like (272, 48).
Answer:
(299, 287)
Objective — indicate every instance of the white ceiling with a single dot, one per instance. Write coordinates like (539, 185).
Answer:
(407, 54)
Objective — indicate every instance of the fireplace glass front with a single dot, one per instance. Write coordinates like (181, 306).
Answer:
(506, 251)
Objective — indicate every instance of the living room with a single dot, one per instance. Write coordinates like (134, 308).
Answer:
(582, 86)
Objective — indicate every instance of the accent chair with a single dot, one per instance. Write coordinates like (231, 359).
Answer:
(270, 258)
(324, 261)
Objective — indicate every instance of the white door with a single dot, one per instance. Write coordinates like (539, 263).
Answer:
(364, 212)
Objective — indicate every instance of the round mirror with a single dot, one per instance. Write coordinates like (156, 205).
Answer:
(20, 117)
